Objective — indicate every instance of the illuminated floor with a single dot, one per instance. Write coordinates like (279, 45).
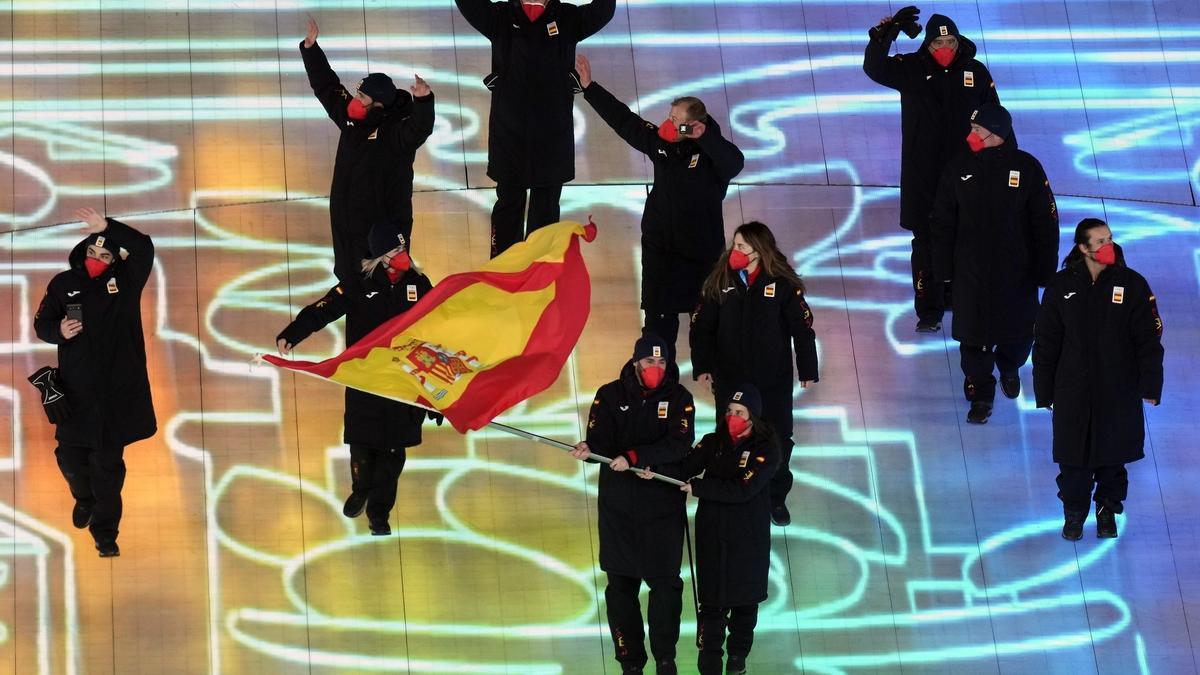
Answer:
(918, 545)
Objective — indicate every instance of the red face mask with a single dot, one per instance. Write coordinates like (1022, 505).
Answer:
(398, 265)
(532, 11)
(944, 56)
(668, 131)
(355, 110)
(652, 376)
(1106, 254)
(95, 267)
(738, 260)
(737, 426)
(976, 142)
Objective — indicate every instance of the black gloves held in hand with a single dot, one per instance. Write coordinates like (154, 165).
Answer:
(54, 399)
(904, 20)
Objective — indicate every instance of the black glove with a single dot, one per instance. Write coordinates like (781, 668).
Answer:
(905, 19)
(437, 417)
(54, 400)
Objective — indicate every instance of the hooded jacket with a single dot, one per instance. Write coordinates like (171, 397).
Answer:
(370, 420)
(531, 130)
(373, 167)
(683, 226)
(995, 234)
(935, 108)
(1097, 353)
(641, 521)
(103, 368)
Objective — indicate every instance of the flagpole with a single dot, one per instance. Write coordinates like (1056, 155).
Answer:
(529, 436)
(501, 427)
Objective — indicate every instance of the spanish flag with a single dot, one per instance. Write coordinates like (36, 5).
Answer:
(479, 342)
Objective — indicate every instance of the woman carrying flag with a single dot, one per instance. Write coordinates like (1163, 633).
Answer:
(378, 430)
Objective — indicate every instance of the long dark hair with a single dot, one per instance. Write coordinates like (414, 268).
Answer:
(770, 259)
(1075, 257)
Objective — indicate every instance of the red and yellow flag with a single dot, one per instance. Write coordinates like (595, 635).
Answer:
(479, 342)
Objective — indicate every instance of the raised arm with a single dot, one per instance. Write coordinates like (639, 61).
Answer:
(324, 82)
(417, 128)
(594, 16)
(637, 132)
(481, 14)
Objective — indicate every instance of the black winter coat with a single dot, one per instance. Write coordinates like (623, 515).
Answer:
(103, 368)
(748, 335)
(641, 521)
(370, 420)
(1098, 352)
(995, 233)
(531, 129)
(373, 168)
(683, 228)
(935, 110)
(733, 521)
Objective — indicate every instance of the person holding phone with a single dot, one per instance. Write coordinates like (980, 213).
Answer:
(378, 430)
(683, 225)
(93, 313)
(751, 315)
(381, 128)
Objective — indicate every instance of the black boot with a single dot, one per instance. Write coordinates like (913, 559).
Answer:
(980, 412)
(1106, 522)
(665, 667)
(780, 515)
(108, 549)
(1010, 384)
(736, 665)
(928, 325)
(1073, 524)
(81, 515)
(354, 505)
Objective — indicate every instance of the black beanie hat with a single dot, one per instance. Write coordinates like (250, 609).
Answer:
(650, 345)
(747, 395)
(101, 239)
(379, 87)
(388, 235)
(939, 26)
(994, 118)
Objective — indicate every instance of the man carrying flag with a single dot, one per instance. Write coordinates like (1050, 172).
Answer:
(644, 418)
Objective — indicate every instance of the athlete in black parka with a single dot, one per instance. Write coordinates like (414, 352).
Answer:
(531, 127)
(936, 101)
(101, 366)
(643, 419)
(733, 526)
(995, 234)
(752, 316)
(683, 227)
(1097, 357)
(381, 128)
(378, 430)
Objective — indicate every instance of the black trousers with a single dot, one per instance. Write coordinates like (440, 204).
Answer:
(929, 293)
(711, 624)
(664, 324)
(374, 472)
(508, 214)
(96, 477)
(625, 617)
(1075, 485)
(979, 363)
